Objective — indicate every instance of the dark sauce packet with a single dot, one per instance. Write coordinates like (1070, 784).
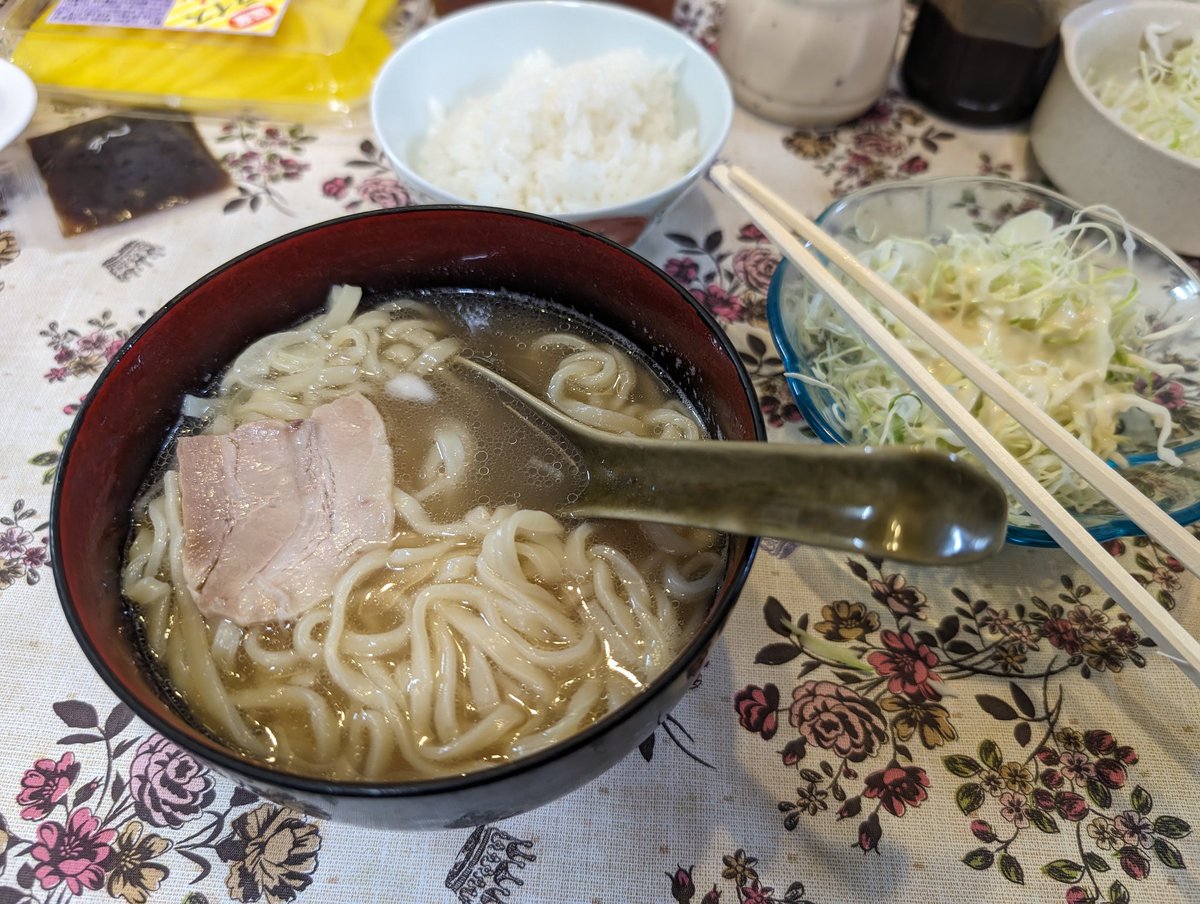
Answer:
(119, 167)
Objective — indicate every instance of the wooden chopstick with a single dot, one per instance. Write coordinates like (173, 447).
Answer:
(782, 224)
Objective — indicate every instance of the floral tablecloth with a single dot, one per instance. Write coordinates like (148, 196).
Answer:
(1010, 737)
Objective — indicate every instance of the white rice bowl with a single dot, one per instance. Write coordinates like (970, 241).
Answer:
(592, 113)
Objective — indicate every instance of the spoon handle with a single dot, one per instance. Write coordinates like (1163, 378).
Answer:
(903, 504)
(907, 505)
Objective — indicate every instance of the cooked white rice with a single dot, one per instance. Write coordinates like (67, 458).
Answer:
(561, 139)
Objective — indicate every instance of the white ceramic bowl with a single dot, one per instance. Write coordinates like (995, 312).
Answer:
(470, 53)
(1088, 152)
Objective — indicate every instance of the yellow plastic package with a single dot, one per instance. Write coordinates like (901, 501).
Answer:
(323, 58)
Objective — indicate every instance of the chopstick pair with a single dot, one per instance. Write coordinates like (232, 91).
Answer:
(786, 227)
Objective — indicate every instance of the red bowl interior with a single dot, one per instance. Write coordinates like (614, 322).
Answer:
(124, 422)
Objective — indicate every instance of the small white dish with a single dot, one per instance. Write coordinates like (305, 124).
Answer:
(18, 100)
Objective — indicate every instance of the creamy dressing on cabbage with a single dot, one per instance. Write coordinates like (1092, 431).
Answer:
(1050, 308)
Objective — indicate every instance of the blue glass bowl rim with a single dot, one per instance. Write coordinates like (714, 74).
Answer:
(1016, 534)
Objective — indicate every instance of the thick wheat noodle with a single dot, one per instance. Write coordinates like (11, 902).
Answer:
(226, 641)
(637, 596)
(139, 578)
(446, 463)
(445, 710)
(562, 656)
(494, 607)
(481, 682)
(275, 660)
(671, 424)
(501, 652)
(694, 579)
(582, 704)
(304, 637)
(380, 741)
(344, 675)
(288, 696)
(670, 540)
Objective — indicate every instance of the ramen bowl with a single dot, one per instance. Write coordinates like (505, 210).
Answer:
(930, 210)
(125, 420)
(471, 53)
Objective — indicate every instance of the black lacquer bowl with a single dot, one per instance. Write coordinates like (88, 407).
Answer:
(125, 420)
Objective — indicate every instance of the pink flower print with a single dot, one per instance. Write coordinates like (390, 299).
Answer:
(914, 165)
(1013, 808)
(168, 786)
(751, 233)
(13, 542)
(881, 112)
(1171, 396)
(997, 620)
(836, 718)
(64, 354)
(900, 598)
(1077, 894)
(45, 785)
(878, 144)
(682, 269)
(383, 191)
(1060, 634)
(57, 374)
(36, 556)
(907, 665)
(1077, 767)
(336, 187)
(1134, 828)
(1135, 863)
(897, 788)
(755, 893)
(1164, 576)
(719, 302)
(1088, 622)
(1124, 636)
(756, 707)
(93, 342)
(75, 853)
(290, 168)
(113, 347)
(755, 267)
(1071, 806)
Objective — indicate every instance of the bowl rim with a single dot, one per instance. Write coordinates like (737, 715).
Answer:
(223, 756)
(1016, 534)
(1076, 26)
(438, 29)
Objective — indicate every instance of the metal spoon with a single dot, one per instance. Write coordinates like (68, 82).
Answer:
(909, 505)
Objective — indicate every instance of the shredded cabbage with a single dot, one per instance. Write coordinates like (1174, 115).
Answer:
(1161, 99)
(1050, 308)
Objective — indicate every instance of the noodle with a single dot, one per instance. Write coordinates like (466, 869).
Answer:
(489, 628)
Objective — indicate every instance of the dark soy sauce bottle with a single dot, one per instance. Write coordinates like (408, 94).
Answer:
(982, 62)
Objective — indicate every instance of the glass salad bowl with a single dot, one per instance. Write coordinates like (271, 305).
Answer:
(1090, 317)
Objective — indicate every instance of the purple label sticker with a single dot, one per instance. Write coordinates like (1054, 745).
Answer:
(116, 13)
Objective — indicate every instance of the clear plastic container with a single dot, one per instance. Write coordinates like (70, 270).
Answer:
(322, 58)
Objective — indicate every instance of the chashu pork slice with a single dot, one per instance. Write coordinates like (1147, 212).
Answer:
(275, 512)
